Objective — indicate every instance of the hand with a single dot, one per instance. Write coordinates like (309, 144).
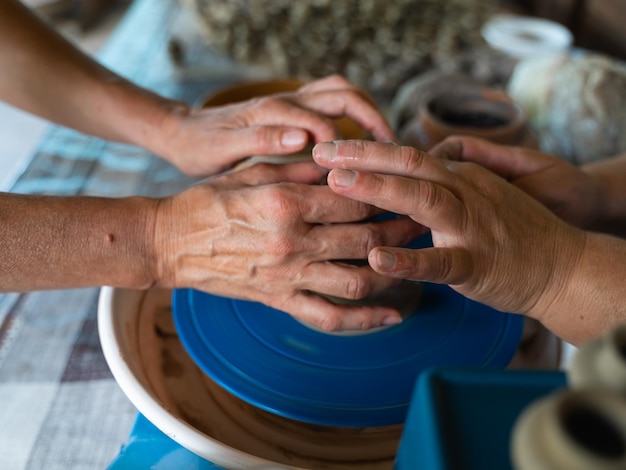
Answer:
(272, 234)
(574, 195)
(492, 242)
(209, 140)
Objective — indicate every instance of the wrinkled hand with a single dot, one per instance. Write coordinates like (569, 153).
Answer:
(492, 242)
(209, 140)
(272, 234)
(572, 194)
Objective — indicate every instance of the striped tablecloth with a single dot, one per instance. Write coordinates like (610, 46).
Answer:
(60, 406)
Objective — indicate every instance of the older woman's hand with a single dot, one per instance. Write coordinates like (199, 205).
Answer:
(271, 234)
(209, 140)
(492, 242)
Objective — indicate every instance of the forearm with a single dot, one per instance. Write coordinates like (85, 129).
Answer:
(44, 74)
(57, 242)
(612, 175)
(593, 299)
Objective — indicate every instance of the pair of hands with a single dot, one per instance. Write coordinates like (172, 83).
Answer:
(210, 140)
(273, 233)
(495, 242)
(492, 242)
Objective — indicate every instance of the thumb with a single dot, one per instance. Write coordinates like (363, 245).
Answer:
(438, 265)
(263, 140)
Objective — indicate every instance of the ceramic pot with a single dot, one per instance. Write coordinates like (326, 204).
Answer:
(475, 111)
(574, 430)
(601, 363)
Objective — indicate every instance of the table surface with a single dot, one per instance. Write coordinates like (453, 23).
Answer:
(61, 407)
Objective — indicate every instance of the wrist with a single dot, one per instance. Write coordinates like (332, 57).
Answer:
(163, 236)
(591, 301)
(560, 285)
(140, 117)
(131, 228)
(164, 125)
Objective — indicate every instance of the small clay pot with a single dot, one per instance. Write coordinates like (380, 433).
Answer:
(475, 111)
(600, 362)
(572, 429)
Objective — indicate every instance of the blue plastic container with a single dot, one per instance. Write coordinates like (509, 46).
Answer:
(462, 419)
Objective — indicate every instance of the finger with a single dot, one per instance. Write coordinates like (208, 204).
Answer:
(318, 204)
(355, 241)
(334, 82)
(267, 173)
(428, 203)
(345, 281)
(328, 316)
(331, 82)
(263, 140)
(350, 103)
(381, 157)
(452, 266)
(508, 162)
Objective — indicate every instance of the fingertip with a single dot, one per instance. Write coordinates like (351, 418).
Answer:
(292, 139)
(324, 152)
(391, 320)
(450, 148)
(382, 260)
(340, 178)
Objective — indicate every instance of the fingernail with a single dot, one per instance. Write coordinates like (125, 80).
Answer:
(294, 138)
(343, 177)
(325, 151)
(392, 320)
(385, 259)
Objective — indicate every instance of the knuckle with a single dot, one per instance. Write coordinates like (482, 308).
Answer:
(265, 101)
(449, 269)
(283, 249)
(470, 169)
(445, 266)
(337, 80)
(329, 322)
(480, 178)
(372, 237)
(357, 288)
(451, 148)
(263, 138)
(280, 204)
(410, 160)
(365, 323)
(452, 140)
(430, 197)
